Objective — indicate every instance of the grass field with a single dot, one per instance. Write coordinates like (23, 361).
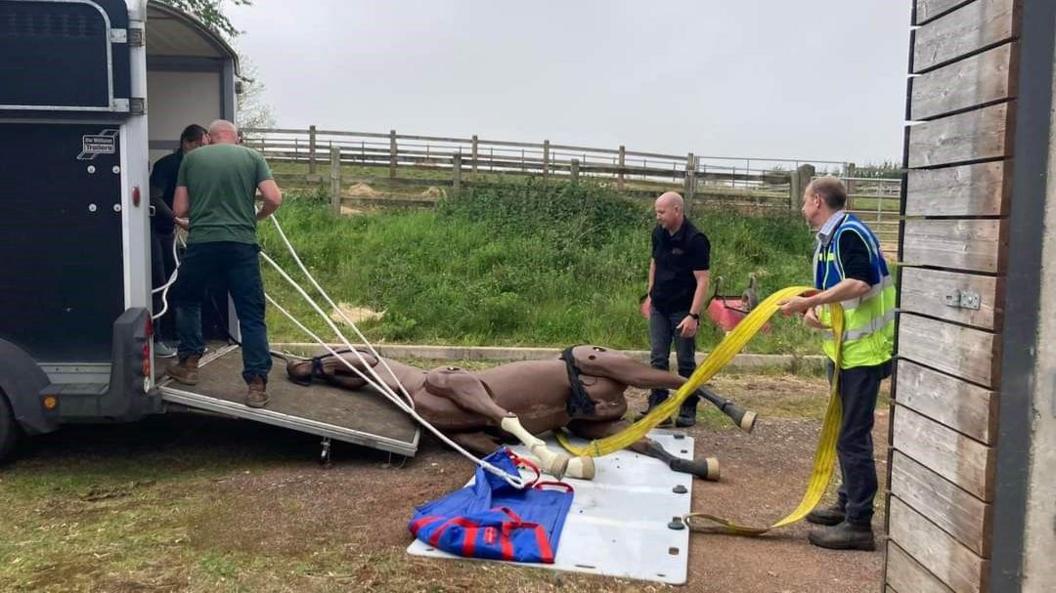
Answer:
(520, 264)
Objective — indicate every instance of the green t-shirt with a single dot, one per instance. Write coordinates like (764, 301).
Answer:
(221, 181)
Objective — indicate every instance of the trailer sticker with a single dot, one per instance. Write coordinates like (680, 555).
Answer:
(104, 142)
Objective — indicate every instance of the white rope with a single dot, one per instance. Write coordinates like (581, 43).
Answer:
(514, 480)
(407, 406)
(333, 327)
(382, 387)
(339, 310)
(164, 288)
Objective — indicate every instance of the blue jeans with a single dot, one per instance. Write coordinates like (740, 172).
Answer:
(662, 331)
(239, 266)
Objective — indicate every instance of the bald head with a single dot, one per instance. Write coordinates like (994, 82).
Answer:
(671, 200)
(670, 210)
(222, 131)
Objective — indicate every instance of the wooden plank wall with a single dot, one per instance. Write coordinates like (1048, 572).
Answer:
(962, 92)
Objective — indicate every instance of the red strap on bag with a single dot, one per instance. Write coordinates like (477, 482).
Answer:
(522, 462)
(555, 484)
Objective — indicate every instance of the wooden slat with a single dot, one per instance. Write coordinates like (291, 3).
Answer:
(926, 291)
(906, 575)
(970, 136)
(953, 564)
(930, 9)
(971, 354)
(962, 406)
(956, 512)
(961, 32)
(968, 83)
(959, 459)
(971, 245)
(968, 190)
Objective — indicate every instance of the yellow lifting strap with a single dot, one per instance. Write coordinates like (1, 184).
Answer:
(734, 342)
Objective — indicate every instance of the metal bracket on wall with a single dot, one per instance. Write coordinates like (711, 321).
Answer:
(964, 299)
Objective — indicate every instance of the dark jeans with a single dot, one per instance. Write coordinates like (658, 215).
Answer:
(239, 265)
(859, 387)
(162, 263)
(662, 332)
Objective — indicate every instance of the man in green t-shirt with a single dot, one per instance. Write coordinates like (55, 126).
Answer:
(216, 189)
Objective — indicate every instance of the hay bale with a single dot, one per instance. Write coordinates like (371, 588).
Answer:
(433, 192)
(362, 190)
(356, 314)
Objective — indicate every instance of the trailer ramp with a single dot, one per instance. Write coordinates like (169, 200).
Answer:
(360, 417)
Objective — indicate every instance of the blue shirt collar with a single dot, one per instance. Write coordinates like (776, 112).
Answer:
(827, 229)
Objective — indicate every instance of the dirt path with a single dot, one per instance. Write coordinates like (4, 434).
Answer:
(208, 504)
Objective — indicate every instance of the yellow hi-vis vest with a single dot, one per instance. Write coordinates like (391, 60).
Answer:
(869, 320)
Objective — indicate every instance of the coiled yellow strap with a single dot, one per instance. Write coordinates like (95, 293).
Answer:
(733, 343)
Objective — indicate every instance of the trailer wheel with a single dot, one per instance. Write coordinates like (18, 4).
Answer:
(9, 431)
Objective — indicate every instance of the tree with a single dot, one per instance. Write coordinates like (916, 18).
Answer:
(253, 111)
(211, 13)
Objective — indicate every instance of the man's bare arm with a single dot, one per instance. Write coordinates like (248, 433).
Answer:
(271, 196)
(181, 202)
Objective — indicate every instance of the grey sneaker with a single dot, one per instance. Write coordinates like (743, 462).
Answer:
(163, 350)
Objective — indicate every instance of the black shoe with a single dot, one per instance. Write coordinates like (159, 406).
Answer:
(687, 412)
(845, 536)
(833, 515)
(654, 401)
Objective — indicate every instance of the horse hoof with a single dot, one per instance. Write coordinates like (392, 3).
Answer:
(582, 468)
(711, 471)
(748, 422)
(705, 469)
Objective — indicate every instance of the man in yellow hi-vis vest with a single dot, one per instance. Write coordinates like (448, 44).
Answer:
(849, 269)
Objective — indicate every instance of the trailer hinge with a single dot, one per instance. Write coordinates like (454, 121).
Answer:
(135, 36)
(120, 105)
(137, 105)
(118, 35)
(964, 299)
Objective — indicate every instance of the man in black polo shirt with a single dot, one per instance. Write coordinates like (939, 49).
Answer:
(163, 227)
(678, 282)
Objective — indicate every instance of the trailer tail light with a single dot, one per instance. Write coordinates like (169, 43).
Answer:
(146, 359)
(50, 402)
(135, 195)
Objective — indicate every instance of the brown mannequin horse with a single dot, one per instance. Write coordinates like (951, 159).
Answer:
(583, 391)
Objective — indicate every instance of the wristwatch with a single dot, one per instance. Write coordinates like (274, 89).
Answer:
(695, 316)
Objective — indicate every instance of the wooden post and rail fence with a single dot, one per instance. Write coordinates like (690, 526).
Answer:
(402, 164)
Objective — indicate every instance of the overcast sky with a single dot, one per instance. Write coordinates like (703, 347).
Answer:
(810, 79)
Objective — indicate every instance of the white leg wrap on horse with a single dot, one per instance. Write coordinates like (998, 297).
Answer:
(581, 468)
(555, 464)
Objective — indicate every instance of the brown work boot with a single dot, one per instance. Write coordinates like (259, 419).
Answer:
(185, 370)
(257, 395)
